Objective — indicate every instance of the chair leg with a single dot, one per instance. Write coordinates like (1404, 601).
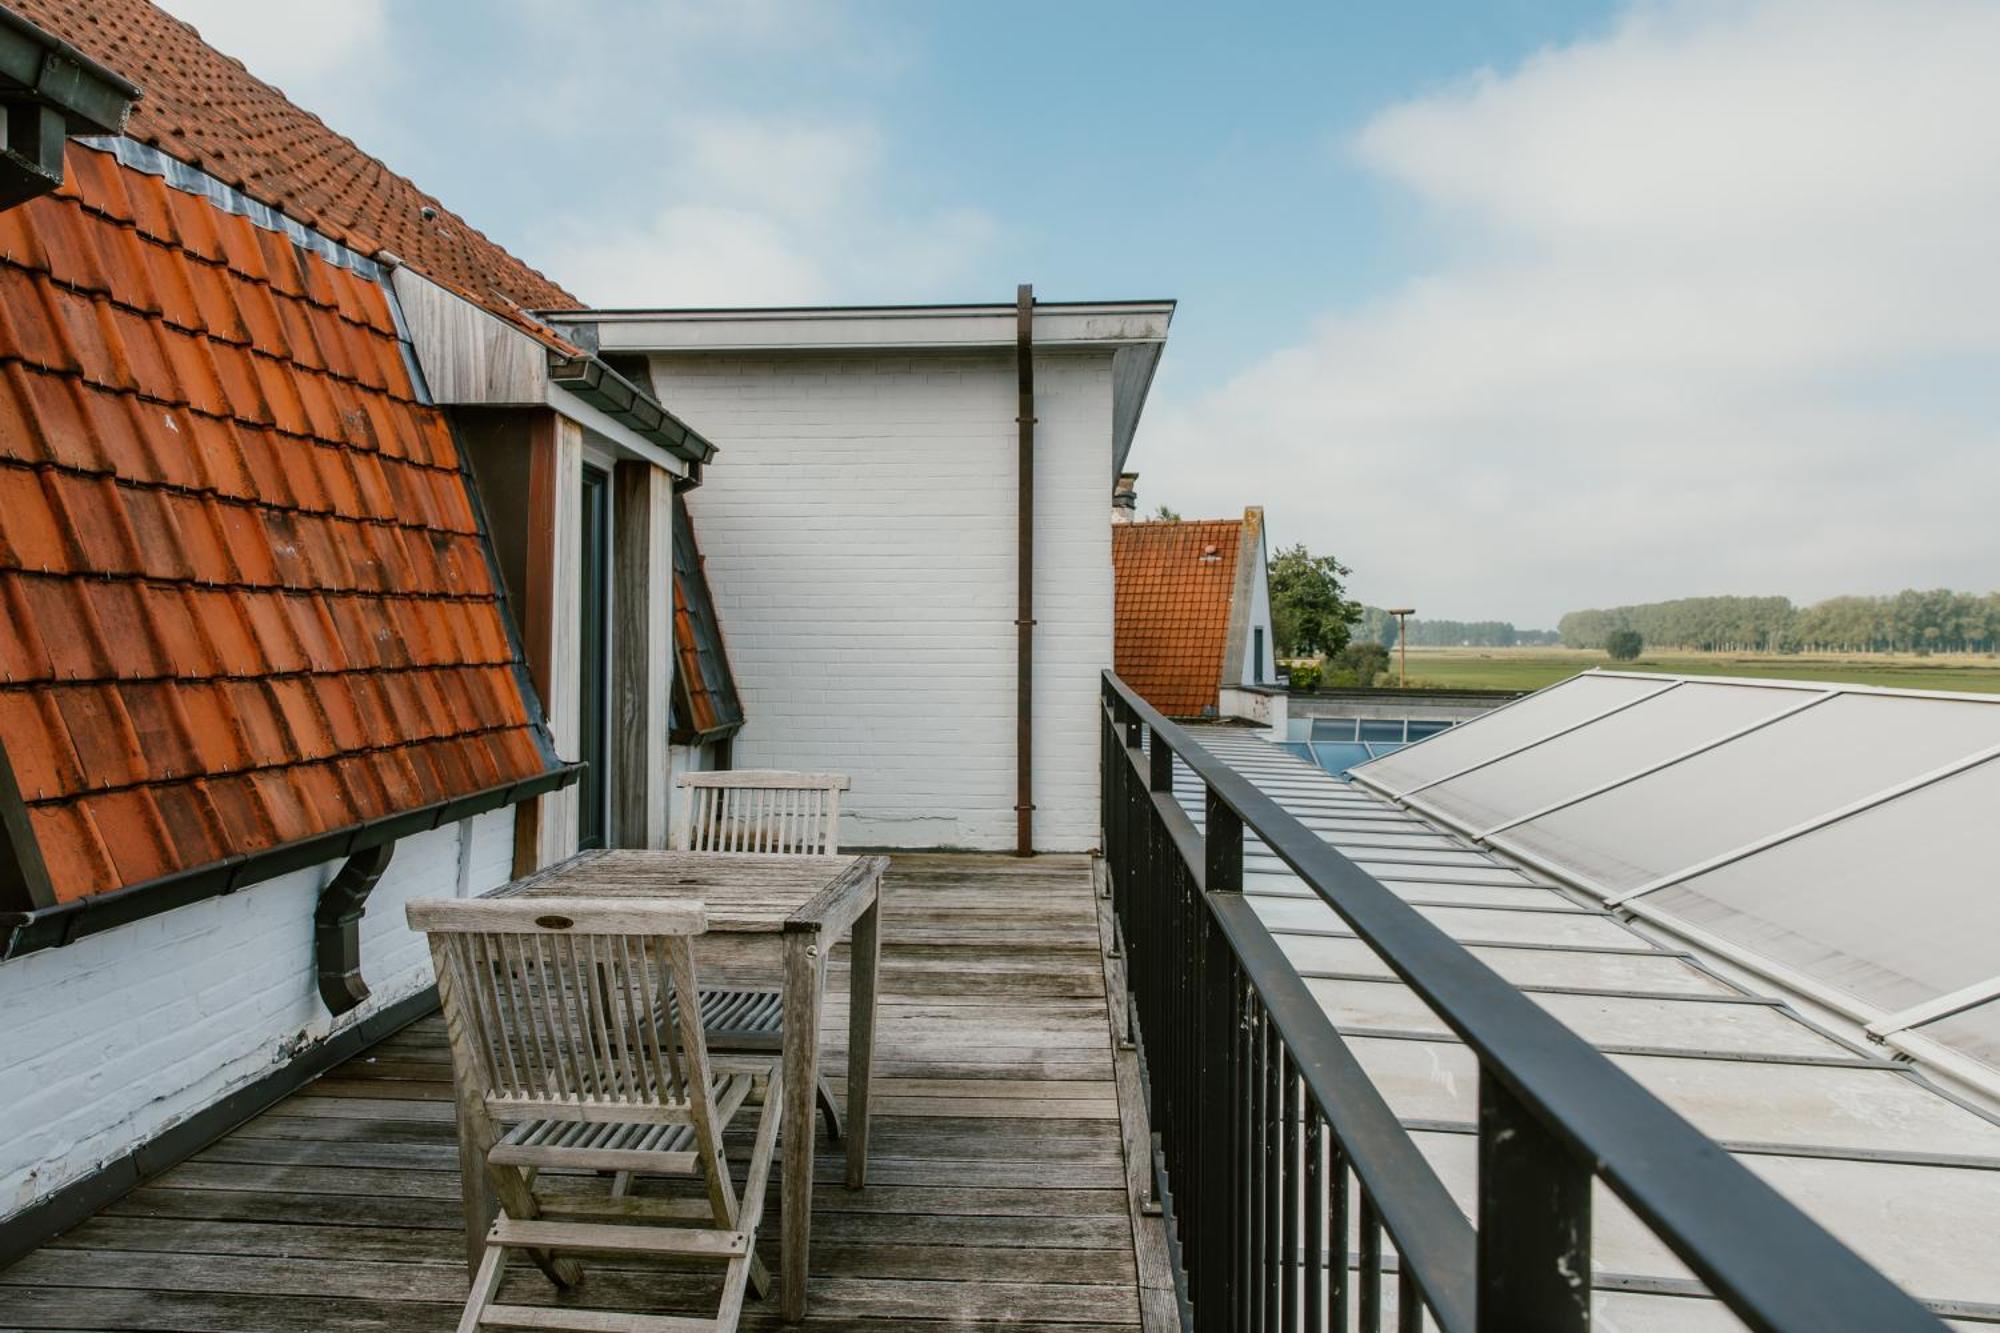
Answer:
(517, 1200)
(485, 1286)
(829, 1108)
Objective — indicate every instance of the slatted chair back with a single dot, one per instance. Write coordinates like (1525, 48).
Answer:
(762, 810)
(551, 1005)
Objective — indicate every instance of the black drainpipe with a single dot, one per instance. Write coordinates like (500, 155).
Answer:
(337, 927)
(1024, 622)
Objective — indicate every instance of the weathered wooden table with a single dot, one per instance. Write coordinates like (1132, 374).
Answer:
(775, 912)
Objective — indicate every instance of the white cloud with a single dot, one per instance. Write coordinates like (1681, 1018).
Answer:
(298, 42)
(768, 210)
(689, 255)
(1717, 312)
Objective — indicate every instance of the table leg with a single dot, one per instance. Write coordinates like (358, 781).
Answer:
(864, 959)
(804, 969)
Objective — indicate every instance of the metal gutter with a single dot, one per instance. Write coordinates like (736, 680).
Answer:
(66, 922)
(49, 91)
(1024, 620)
(596, 383)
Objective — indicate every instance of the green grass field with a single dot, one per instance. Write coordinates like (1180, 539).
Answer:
(1532, 668)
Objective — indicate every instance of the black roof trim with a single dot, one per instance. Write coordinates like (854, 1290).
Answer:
(65, 923)
(590, 379)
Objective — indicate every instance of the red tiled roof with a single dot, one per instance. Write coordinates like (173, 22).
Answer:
(209, 111)
(706, 704)
(244, 593)
(1174, 581)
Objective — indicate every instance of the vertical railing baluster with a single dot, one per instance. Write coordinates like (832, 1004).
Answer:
(1371, 1265)
(1277, 1071)
(1312, 1273)
(1409, 1304)
(1259, 1239)
(1336, 1233)
(1290, 1269)
(1238, 1213)
(1534, 1220)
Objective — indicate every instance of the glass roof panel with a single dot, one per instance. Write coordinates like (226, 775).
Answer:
(1805, 766)
(1605, 751)
(1974, 1032)
(1824, 903)
(1576, 700)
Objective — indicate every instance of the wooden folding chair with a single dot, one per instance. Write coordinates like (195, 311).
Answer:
(559, 1063)
(774, 812)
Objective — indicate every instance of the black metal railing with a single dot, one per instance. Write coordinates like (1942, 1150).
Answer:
(1297, 1193)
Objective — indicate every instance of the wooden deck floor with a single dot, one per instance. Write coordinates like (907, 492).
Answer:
(998, 1184)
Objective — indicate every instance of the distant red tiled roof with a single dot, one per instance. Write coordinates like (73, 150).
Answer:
(244, 594)
(209, 111)
(1175, 581)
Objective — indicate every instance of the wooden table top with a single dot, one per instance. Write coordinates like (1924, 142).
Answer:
(750, 892)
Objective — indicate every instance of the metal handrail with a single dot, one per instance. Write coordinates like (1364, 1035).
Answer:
(1553, 1108)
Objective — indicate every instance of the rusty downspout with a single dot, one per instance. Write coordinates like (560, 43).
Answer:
(1024, 622)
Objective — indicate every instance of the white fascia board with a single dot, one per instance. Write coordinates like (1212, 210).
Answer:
(1106, 324)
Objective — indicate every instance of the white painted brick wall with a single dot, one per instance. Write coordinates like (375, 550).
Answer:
(859, 531)
(115, 1038)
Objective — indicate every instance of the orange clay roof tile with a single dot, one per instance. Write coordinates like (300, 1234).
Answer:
(1175, 582)
(245, 599)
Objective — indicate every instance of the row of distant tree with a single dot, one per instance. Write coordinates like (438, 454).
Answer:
(1378, 626)
(1937, 620)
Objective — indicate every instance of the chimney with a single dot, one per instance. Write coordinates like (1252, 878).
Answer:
(1125, 498)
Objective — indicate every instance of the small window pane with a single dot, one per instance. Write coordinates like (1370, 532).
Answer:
(1382, 730)
(1333, 728)
(1337, 759)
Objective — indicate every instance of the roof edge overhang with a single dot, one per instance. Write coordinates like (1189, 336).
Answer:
(471, 356)
(1058, 324)
(93, 98)
(65, 923)
(628, 404)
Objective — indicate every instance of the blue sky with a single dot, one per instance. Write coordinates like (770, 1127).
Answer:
(1516, 307)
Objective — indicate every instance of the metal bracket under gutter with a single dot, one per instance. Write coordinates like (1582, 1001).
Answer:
(1024, 620)
(337, 927)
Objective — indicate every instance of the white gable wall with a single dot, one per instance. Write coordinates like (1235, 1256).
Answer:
(118, 1037)
(859, 531)
(1251, 671)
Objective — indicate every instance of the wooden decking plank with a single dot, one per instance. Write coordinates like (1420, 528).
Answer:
(997, 1196)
